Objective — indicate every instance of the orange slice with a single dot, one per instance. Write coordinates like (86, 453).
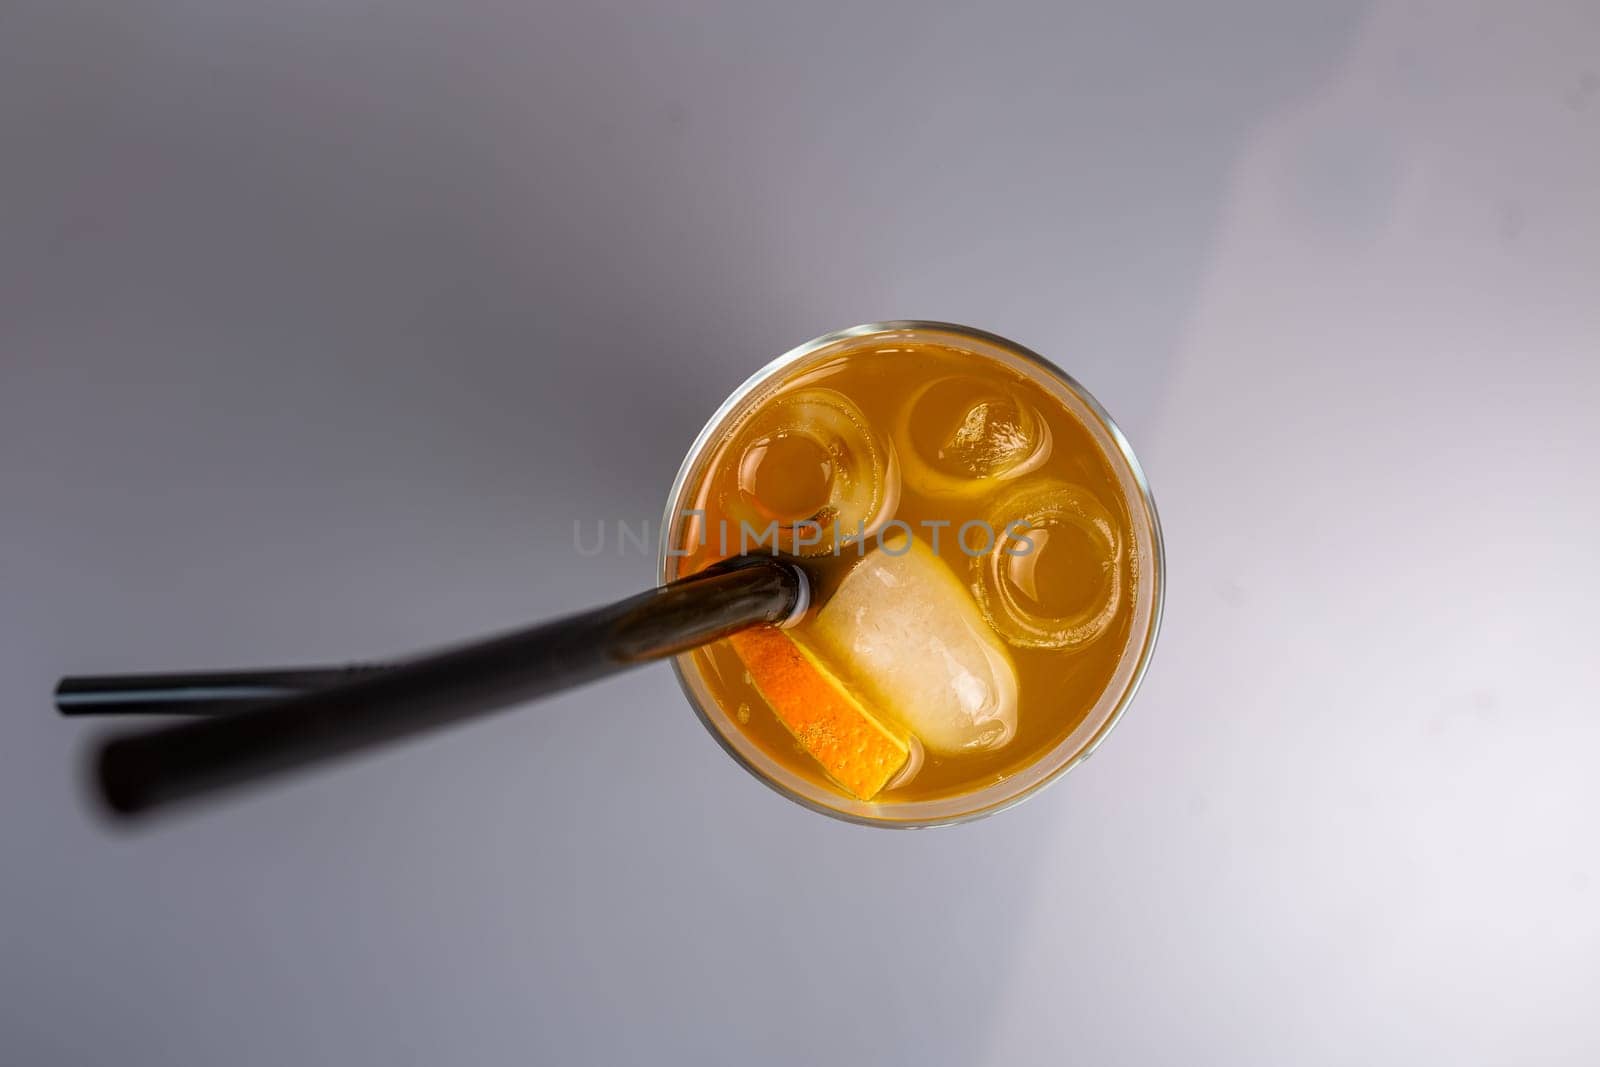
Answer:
(856, 750)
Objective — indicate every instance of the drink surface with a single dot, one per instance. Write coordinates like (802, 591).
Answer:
(1023, 534)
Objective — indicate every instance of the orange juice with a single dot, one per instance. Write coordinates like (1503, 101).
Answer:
(984, 561)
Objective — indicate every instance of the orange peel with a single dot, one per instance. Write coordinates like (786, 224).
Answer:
(858, 751)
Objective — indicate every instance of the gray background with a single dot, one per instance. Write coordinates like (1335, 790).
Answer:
(320, 323)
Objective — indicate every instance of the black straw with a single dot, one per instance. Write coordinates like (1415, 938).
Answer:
(139, 772)
(195, 693)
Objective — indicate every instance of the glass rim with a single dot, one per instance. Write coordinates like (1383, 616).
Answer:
(1125, 453)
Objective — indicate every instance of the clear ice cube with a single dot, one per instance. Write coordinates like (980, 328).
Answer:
(990, 439)
(907, 634)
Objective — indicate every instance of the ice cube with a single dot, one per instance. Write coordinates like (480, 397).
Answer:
(990, 439)
(906, 633)
(957, 437)
(807, 473)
